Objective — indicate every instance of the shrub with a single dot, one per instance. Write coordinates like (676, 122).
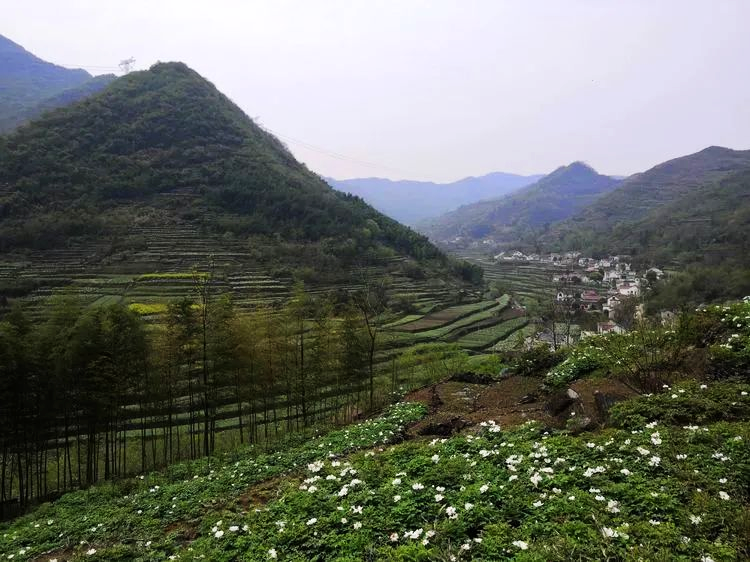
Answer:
(686, 403)
(537, 361)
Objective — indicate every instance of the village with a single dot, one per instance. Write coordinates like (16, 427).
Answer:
(603, 287)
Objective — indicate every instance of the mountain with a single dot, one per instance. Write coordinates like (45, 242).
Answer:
(523, 214)
(29, 85)
(678, 208)
(162, 169)
(413, 201)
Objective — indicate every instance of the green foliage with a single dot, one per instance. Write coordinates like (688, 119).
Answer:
(582, 360)
(165, 146)
(697, 284)
(527, 211)
(687, 403)
(659, 492)
(95, 518)
(537, 361)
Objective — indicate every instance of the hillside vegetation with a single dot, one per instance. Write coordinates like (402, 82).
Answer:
(29, 86)
(691, 208)
(664, 477)
(522, 215)
(160, 171)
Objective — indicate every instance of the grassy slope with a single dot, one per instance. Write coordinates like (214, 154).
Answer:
(656, 491)
(667, 481)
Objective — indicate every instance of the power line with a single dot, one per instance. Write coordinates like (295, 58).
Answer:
(333, 154)
(74, 66)
(309, 146)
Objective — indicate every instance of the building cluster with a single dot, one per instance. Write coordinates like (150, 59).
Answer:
(592, 284)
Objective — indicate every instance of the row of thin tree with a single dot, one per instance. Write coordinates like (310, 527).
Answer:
(92, 393)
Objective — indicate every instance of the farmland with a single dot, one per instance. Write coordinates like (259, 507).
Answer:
(260, 394)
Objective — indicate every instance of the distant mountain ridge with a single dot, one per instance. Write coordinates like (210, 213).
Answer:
(526, 212)
(682, 207)
(30, 85)
(413, 201)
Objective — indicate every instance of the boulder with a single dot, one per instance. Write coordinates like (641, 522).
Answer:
(445, 428)
(604, 401)
(558, 403)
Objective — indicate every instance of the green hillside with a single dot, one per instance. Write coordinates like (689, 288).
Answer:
(624, 447)
(163, 164)
(644, 212)
(526, 212)
(61, 99)
(29, 85)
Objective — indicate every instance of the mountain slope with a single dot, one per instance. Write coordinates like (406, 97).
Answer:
(510, 219)
(29, 85)
(656, 211)
(61, 99)
(413, 201)
(161, 152)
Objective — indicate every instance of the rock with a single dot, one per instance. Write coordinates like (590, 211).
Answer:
(604, 401)
(445, 428)
(559, 403)
(573, 394)
(580, 424)
(435, 400)
(473, 378)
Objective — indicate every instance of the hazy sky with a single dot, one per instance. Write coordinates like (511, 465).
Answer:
(439, 89)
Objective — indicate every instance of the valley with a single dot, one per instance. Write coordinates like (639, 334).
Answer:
(211, 351)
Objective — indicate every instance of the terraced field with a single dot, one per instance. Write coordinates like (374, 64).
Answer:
(473, 327)
(159, 272)
(488, 337)
(446, 316)
(527, 281)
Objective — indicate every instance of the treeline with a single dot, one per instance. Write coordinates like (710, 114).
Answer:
(96, 393)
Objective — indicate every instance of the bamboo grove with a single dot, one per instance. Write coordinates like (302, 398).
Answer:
(92, 393)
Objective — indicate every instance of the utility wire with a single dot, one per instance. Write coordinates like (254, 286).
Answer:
(333, 154)
(307, 145)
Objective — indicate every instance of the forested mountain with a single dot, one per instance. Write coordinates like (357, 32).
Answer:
(163, 150)
(523, 214)
(652, 196)
(30, 86)
(413, 201)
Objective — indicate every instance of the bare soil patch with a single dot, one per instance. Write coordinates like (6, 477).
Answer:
(455, 405)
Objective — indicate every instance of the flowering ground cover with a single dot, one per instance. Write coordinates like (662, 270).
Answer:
(655, 492)
(138, 519)
(654, 489)
(667, 480)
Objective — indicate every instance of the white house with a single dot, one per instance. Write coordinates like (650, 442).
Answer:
(609, 327)
(628, 289)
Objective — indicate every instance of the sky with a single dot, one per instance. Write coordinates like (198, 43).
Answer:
(438, 89)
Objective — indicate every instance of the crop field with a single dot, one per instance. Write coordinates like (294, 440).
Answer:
(445, 316)
(488, 337)
(527, 281)
(147, 280)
